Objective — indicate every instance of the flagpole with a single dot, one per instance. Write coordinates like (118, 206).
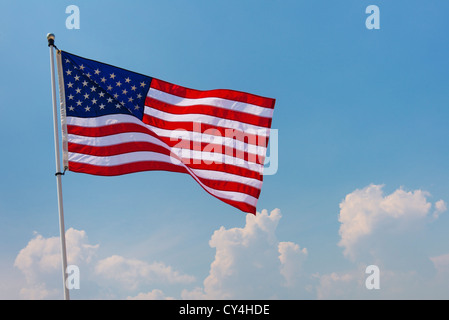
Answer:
(51, 44)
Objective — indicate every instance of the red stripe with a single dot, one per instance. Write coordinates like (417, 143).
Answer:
(109, 130)
(147, 166)
(245, 207)
(219, 93)
(209, 110)
(113, 150)
(124, 168)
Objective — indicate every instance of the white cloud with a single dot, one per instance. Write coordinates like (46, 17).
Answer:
(390, 232)
(367, 213)
(155, 294)
(441, 263)
(250, 262)
(397, 284)
(339, 285)
(37, 291)
(40, 263)
(440, 207)
(292, 257)
(132, 273)
(40, 260)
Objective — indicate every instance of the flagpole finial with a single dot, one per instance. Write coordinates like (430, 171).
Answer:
(51, 39)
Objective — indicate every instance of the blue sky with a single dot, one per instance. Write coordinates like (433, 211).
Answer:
(362, 117)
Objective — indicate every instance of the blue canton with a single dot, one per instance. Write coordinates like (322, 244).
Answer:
(94, 89)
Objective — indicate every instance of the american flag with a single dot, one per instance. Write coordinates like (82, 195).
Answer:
(116, 122)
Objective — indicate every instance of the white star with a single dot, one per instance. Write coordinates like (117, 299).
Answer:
(102, 106)
(69, 85)
(101, 94)
(88, 75)
(139, 96)
(70, 97)
(87, 109)
(125, 91)
(86, 96)
(130, 99)
(85, 83)
(116, 95)
(122, 103)
(109, 88)
(97, 71)
(109, 99)
(133, 88)
(82, 67)
(77, 78)
(112, 76)
(94, 101)
(128, 80)
(69, 72)
(71, 108)
(142, 84)
(67, 60)
(136, 107)
(118, 106)
(103, 79)
(119, 84)
(79, 103)
(78, 90)
(93, 88)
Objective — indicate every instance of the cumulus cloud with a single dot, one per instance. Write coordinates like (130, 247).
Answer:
(40, 262)
(132, 273)
(291, 257)
(440, 207)
(367, 215)
(250, 262)
(441, 262)
(339, 285)
(155, 294)
(41, 259)
(388, 231)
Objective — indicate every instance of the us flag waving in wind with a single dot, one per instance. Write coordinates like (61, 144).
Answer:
(116, 122)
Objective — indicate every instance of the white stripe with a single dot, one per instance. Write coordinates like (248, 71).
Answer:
(118, 159)
(116, 139)
(103, 120)
(211, 120)
(211, 101)
(153, 156)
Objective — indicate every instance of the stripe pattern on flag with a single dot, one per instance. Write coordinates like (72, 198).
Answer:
(120, 122)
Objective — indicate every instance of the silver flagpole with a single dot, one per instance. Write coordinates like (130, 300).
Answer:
(51, 44)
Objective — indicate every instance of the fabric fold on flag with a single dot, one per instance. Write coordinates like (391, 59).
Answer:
(119, 122)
